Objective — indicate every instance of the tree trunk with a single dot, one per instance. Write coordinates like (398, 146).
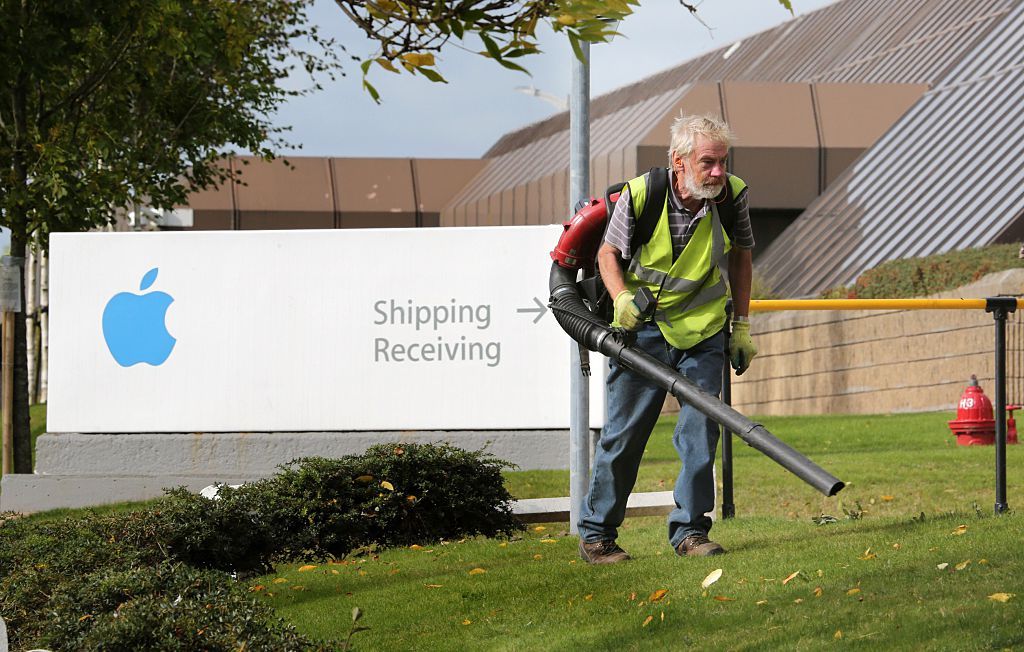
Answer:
(22, 429)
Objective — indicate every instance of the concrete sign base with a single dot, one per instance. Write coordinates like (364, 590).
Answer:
(82, 470)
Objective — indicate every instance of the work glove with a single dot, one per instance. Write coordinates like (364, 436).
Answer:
(627, 315)
(741, 347)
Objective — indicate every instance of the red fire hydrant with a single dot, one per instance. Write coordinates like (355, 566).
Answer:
(975, 424)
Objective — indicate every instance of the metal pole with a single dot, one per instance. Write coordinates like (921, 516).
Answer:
(579, 187)
(728, 506)
(999, 307)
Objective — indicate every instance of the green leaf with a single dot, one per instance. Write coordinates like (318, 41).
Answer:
(434, 76)
(372, 91)
(574, 41)
(513, 66)
(492, 48)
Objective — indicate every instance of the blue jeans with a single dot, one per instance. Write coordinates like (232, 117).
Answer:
(634, 404)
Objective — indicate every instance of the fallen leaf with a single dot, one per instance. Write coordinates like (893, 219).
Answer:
(549, 541)
(820, 573)
(853, 591)
(399, 451)
(962, 565)
(415, 546)
(982, 561)
(334, 572)
(868, 555)
(790, 578)
(712, 577)
(307, 567)
(280, 580)
(393, 571)
(503, 544)
(818, 591)
(942, 566)
(960, 529)
(722, 598)
(387, 485)
(477, 571)
(538, 556)
(838, 635)
(632, 596)
(798, 601)
(364, 479)
(467, 622)
(298, 588)
(588, 597)
(647, 621)
(88, 616)
(411, 498)
(1001, 597)
(658, 595)
(258, 587)
(896, 546)
(887, 498)
(433, 586)
(762, 602)
(539, 528)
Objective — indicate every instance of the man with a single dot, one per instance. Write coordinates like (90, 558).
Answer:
(680, 266)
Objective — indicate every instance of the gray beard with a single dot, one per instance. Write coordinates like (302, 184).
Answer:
(701, 192)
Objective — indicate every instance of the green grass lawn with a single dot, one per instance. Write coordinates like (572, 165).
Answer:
(881, 576)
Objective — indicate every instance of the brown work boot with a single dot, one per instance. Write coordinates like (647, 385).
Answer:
(698, 545)
(602, 552)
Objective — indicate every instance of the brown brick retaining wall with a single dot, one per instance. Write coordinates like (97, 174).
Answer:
(870, 362)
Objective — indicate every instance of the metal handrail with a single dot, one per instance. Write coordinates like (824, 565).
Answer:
(999, 306)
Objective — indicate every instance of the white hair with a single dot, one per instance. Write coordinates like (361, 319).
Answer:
(686, 129)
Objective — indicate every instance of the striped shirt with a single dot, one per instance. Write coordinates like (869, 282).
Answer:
(681, 222)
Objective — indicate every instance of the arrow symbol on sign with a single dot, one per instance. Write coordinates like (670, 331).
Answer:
(540, 309)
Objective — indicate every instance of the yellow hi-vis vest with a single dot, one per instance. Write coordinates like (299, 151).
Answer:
(690, 290)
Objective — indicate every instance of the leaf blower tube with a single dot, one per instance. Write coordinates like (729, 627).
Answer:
(596, 334)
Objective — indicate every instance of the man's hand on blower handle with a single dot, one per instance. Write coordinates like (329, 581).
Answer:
(627, 314)
(741, 347)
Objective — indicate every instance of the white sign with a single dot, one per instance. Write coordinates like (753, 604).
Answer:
(396, 329)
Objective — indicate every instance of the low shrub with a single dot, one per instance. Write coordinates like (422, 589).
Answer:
(114, 581)
(918, 277)
(166, 607)
(426, 493)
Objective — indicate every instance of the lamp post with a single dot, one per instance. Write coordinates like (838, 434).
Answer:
(579, 186)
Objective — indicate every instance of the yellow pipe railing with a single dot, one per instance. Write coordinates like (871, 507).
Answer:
(764, 305)
(999, 306)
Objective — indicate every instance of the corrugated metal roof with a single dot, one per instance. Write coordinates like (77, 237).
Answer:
(860, 41)
(547, 155)
(946, 176)
(851, 41)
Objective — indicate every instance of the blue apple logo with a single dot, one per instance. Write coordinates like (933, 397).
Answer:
(134, 328)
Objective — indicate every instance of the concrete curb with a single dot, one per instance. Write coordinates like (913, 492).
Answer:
(553, 510)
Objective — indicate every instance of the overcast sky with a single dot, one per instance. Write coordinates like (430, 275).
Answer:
(465, 117)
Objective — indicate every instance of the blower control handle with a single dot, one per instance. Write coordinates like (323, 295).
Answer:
(646, 302)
